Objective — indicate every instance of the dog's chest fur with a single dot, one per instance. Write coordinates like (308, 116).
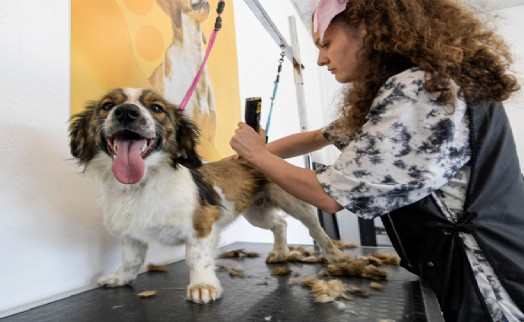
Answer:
(161, 208)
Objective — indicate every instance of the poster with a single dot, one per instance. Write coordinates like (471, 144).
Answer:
(159, 44)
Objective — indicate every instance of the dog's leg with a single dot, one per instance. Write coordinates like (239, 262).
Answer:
(264, 215)
(204, 285)
(308, 216)
(133, 255)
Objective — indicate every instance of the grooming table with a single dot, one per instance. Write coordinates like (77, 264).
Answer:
(257, 297)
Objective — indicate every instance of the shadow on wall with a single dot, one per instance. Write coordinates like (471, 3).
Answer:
(51, 228)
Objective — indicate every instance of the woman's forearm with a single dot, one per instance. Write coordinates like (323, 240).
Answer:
(299, 182)
(297, 144)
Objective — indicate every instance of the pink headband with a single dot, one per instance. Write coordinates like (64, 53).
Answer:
(324, 13)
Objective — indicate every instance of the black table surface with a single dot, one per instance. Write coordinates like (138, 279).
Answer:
(259, 296)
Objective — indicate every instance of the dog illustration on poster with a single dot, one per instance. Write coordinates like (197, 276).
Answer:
(182, 61)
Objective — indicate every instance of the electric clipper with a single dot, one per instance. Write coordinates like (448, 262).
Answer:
(252, 112)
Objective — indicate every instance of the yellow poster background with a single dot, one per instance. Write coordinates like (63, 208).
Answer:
(119, 43)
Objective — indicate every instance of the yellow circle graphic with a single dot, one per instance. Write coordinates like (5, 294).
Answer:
(139, 7)
(149, 42)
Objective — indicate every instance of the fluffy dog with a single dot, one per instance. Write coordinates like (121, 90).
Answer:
(183, 59)
(140, 150)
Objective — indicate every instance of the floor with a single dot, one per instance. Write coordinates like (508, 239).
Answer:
(259, 296)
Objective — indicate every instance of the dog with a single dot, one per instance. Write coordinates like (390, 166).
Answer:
(140, 151)
(182, 60)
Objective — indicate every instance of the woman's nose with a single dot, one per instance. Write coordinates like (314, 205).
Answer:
(322, 59)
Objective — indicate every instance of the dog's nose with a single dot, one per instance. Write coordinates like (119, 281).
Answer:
(127, 113)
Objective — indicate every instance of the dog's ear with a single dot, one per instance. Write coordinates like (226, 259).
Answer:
(81, 135)
(175, 12)
(187, 134)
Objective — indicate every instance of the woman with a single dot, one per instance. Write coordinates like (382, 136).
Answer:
(425, 144)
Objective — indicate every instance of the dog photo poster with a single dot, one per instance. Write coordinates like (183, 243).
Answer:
(159, 44)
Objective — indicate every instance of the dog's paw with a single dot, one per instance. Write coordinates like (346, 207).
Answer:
(203, 293)
(115, 280)
(335, 255)
(277, 256)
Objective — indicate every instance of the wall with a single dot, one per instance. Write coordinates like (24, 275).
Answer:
(509, 22)
(53, 242)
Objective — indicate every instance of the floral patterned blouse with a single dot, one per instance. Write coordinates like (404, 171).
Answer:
(411, 146)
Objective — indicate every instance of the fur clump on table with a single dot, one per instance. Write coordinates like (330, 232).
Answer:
(233, 270)
(329, 290)
(391, 259)
(238, 253)
(332, 289)
(157, 267)
(302, 254)
(281, 270)
(341, 245)
(362, 266)
(376, 285)
(359, 267)
(148, 293)
(324, 290)
(306, 255)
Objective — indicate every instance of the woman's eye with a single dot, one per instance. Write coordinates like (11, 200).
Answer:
(107, 106)
(157, 108)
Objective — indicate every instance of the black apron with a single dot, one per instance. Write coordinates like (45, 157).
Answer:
(429, 245)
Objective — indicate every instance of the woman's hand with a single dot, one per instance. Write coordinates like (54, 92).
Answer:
(248, 143)
(231, 157)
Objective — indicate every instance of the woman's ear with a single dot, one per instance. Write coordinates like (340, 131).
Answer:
(362, 29)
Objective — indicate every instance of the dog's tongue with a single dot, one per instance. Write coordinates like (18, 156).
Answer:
(128, 164)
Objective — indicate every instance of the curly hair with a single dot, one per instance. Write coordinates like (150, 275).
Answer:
(441, 37)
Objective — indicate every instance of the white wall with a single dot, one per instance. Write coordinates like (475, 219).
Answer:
(509, 23)
(53, 242)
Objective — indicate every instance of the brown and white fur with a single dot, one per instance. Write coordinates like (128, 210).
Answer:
(140, 150)
(182, 61)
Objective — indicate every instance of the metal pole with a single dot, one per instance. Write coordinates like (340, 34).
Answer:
(271, 28)
(292, 53)
(299, 85)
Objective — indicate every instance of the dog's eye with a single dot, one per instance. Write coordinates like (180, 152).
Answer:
(107, 106)
(157, 108)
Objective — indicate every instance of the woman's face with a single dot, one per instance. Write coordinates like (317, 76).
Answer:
(339, 50)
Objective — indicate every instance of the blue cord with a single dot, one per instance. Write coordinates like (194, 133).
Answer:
(275, 87)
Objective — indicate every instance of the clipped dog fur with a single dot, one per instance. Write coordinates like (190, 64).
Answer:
(236, 253)
(324, 291)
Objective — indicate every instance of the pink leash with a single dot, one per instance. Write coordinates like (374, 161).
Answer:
(218, 25)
